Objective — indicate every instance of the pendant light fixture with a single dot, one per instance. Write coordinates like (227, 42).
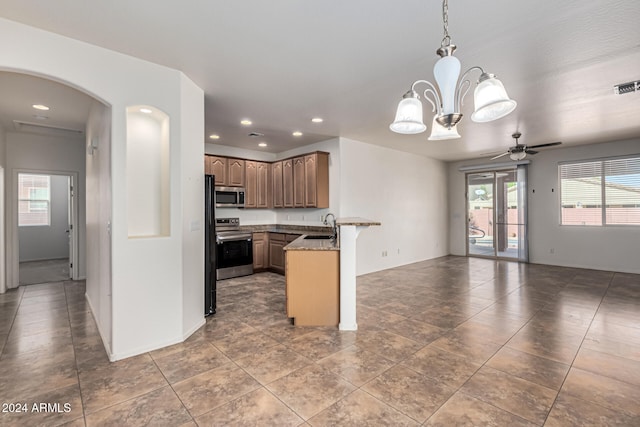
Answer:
(490, 98)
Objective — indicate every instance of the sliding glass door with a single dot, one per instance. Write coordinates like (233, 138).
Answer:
(496, 214)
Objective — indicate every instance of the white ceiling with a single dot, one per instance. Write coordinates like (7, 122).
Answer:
(282, 62)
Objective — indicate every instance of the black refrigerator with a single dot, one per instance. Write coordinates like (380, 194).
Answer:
(209, 245)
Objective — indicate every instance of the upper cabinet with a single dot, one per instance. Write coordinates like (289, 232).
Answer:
(298, 182)
(229, 172)
(316, 175)
(257, 184)
(287, 183)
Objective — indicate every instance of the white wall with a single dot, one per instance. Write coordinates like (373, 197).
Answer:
(98, 166)
(48, 154)
(613, 248)
(407, 193)
(147, 274)
(51, 241)
(3, 270)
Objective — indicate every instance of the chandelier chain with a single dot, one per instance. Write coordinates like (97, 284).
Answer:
(446, 40)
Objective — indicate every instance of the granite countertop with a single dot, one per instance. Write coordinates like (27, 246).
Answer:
(356, 221)
(287, 229)
(302, 244)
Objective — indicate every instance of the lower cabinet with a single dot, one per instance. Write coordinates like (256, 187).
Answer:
(313, 287)
(260, 251)
(277, 242)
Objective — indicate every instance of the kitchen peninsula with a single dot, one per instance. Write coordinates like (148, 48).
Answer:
(321, 277)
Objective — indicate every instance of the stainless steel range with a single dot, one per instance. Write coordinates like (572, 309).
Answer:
(234, 249)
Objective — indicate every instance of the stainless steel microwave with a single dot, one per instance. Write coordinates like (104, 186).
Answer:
(229, 197)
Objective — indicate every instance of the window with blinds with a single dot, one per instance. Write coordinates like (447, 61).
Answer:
(34, 199)
(602, 192)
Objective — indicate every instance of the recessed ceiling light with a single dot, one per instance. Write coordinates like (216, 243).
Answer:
(146, 111)
(40, 107)
(39, 117)
(317, 120)
(214, 136)
(262, 144)
(297, 133)
(245, 122)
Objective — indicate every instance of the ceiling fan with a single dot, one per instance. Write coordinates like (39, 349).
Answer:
(520, 151)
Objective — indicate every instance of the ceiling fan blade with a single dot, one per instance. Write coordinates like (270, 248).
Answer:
(545, 145)
(499, 155)
(530, 151)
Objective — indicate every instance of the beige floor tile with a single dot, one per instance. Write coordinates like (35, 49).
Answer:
(356, 364)
(267, 365)
(539, 370)
(361, 409)
(442, 365)
(119, 381)
(465, 411)
(604, 391)
(256, 408)
(209, 390)
(387, 344)
(520, 397)
(310, 390)
(190, 360)
(571, 411)
(410, 392)
(157, 408)
(321, 343)
(608, 365)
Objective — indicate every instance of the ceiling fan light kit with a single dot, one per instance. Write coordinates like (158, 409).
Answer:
(490, 97)
(520, 151)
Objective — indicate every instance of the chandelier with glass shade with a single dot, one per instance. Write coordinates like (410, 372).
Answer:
(490, 98)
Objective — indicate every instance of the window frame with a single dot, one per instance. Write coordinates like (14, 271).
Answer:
(603, 186)
(30, 200)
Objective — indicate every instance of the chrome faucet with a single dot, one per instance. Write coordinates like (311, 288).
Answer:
(334, 231)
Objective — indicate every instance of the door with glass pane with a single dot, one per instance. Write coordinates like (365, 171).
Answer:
(496, 214)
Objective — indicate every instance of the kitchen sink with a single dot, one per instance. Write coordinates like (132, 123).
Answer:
(318, 236)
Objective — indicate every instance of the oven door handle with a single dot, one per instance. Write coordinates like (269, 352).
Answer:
(227, 238)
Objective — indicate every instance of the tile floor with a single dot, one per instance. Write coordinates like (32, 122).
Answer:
(451, 341)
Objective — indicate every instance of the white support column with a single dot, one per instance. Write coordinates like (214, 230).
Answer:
(350, 228)
(348, 236)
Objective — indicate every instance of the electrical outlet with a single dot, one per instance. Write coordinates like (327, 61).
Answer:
(552, 251)
(398, 251)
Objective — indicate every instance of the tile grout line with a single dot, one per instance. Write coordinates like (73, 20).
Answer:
(579, 347)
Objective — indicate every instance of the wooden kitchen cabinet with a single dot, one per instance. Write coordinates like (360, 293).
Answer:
(277, 186)
(313, 287)
(235, 172)
(218, 167)
(257, 189)
(277, 242)
(251, 183)
(299, 182)
(287, 183)
(260, 251)
(229, 172)
(263, 196)
(316, 175)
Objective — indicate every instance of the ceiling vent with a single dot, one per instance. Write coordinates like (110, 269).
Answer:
(256, 135)
(627, 87)
(45, 129)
